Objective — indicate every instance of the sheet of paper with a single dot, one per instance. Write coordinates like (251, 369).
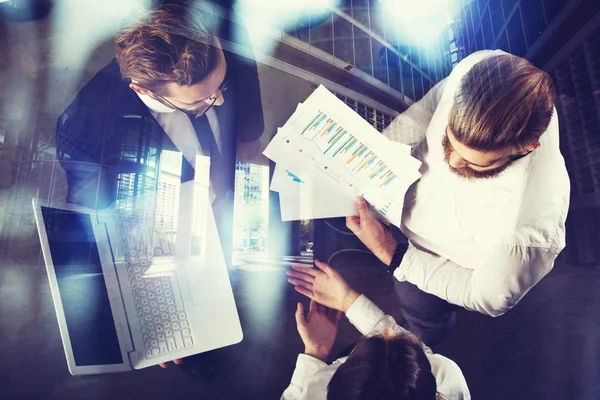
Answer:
(350, 177)
(327, 145)
(308, 198)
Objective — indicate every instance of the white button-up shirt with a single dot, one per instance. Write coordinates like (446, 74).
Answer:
(179, 129)
(311, 376)
(480, 244)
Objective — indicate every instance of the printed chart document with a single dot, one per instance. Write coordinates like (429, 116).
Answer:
(326, 155)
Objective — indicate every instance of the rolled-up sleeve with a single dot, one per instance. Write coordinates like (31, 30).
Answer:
(492, 288)
(306, 367)
(369, 319)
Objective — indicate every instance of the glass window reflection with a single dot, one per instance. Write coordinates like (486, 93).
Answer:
(321, 31)
(342, 33)
(379, 61)
(362, 48)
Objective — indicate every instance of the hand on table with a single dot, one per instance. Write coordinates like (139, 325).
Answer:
(165, 365)
(371, 232)
(323, 285)
(318, 330)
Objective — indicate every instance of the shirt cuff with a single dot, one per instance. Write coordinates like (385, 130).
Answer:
(364, 314)
(306, 366)
(407, 260)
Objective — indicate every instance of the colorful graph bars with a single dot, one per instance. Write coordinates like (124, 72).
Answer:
(336, 142)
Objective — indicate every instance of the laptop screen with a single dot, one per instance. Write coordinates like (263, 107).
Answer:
(82, 287)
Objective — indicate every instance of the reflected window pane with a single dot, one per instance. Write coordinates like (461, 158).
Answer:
(516, 36)
(371, 116)
(427, 62)
(415, 56)
(362, 48)
(502, 43)
(479, 40)
(552, 8)
(476, 12)
(464, 27)
(407, 82)
(321, 32)
(362, 110)
(360, 11)
(351, 103)
(379, 61)
(507, 6)
(342, 34)
(419, 91)
(488, 35)
(380, 125)
(472, 19)
(392, 31)
(497, 17)
(345, 6)
(377, 18)
(533, 19)
(251, 208)
(394, 69)
(298, 29)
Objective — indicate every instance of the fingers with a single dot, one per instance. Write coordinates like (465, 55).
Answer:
(166, 365)
(329, 312)
(314, 272)
(299, 282)
(353, 223)
(300, 275)
(324, 267)
(314, 306)
(308, 293)
(363, 209)
(338, 317)
(300, 321)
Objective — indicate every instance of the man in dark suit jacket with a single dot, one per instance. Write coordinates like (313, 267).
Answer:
(172, 66)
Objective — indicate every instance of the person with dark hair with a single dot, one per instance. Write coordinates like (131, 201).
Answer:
(486, 220)
(389, 363)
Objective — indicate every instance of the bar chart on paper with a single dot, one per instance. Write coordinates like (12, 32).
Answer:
(336, 142)
(345, 158)
(327, 145)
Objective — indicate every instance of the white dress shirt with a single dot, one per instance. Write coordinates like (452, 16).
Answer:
(179, 128)
(481, 244)
(311, 376)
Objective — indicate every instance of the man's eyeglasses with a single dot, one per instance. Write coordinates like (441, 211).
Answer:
(208, 102)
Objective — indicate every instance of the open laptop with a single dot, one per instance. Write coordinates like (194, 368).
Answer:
(129, 297)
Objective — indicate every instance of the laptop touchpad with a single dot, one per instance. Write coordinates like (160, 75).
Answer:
(208, 281)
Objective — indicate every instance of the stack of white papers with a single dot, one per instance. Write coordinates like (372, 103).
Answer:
(326, 155)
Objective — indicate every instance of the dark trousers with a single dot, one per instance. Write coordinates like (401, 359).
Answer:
(425, 315)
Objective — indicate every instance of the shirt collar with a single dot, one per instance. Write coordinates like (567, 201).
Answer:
(152, 104)
(155, 105)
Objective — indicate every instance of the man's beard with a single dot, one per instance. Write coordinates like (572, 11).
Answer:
(466, 172)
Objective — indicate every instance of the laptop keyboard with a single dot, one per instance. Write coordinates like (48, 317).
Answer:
(164, 323)
(165, 329)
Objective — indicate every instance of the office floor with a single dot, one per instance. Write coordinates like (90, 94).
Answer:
(545, 348)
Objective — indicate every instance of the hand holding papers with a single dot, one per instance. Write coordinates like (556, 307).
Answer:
(326, 155)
